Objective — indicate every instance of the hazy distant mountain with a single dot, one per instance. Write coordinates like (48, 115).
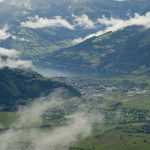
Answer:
(49, 8)
(17, 86)
(42, 41)
(126, 51)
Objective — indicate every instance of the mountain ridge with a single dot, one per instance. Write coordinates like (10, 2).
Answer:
(125, 51)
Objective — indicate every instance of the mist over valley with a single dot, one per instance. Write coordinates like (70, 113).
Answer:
(74, 75)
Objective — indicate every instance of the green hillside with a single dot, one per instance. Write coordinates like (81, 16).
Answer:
(16, 86)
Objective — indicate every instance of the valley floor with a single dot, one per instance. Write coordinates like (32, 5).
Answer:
(124, 104)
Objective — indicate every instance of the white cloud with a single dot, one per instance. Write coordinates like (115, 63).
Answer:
(3, 33)
(120, 0)
(11, 63)
(18, 3)
(10, 58)
(37, 22)
(1, 1)
(9, 53)
(78, 21)
(114, 24)
(84, 21)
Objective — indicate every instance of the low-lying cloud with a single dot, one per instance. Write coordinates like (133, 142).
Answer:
(39, 22)
(18, 3)
(25, 134)
(10, 58)
(4, 34)
(83, 21)
(9, 53)
(115, 24)
(1, 1)
(120, 0)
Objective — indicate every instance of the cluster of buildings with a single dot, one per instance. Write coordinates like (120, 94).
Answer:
(96, 87)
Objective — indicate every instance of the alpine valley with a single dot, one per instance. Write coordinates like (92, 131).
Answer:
(74, 75)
